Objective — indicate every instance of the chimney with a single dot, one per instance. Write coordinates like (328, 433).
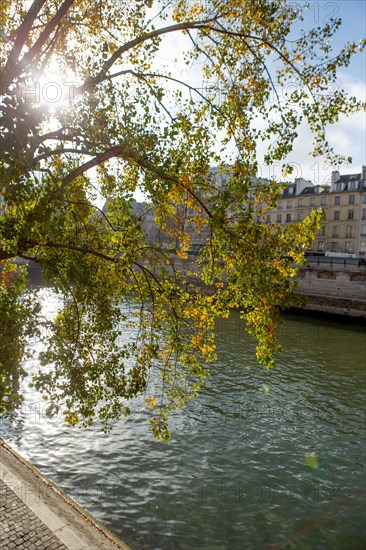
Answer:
(335, 176)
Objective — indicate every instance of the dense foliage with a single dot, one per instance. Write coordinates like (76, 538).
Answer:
(91, 106)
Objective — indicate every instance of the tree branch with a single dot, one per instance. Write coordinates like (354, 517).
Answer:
(7, 255)
(125, 152)
(149, 36)
(45, 34)
(96, 161)
(79, 249)
(60, 151)
(23, 32)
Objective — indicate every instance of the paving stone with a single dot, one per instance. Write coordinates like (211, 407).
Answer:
(20, 527)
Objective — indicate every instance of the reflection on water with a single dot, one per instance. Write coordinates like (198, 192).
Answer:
(262, 459)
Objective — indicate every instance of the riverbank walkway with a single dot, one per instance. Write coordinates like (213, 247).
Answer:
(36, 515)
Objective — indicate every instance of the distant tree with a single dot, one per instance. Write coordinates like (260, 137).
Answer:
(88, 108)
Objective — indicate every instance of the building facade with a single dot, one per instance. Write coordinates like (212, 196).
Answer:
(343, 229)
(347, 213)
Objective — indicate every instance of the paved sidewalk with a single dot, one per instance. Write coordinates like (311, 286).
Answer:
(37, 515)
(20, 527)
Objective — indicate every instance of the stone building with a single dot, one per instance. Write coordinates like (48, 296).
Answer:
(297, 200)
(343, 229)
(346, 231)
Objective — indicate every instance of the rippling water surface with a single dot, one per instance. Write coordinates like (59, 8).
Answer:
(262, 459)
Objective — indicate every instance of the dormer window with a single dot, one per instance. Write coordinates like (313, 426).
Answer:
(338, 186)
(352, 185)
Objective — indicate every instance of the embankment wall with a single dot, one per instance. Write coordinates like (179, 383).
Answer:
(335, 289)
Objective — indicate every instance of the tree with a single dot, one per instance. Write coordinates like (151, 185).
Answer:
(117, 121)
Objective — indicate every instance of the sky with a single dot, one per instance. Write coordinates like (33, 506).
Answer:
(349, 135)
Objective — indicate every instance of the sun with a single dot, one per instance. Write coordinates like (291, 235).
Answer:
(55, 87)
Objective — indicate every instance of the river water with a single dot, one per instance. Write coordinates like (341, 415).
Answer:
(262, 459)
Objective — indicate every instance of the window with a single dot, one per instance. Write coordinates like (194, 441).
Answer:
(301, 202)
(288, 218)
(322, 230)
(334, 247)
(279, 218)
(338, 186)
(323, 201)
(363, 229)
(352, 185)
(364, 213)
(348, 247)
(350, 214)
(299, 215)
(336, 214)
(289, 204)
(312, 201)
(364, 197)
(349, 231)
(335, 231)
(351, 199)
(363, 246)
(320, 246)
(337, 201)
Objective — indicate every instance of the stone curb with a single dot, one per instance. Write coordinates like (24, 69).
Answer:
(68, 521)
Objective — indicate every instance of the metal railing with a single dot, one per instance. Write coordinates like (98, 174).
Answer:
(330, 260)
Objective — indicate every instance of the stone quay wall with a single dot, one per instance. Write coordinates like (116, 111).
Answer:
(335, 289)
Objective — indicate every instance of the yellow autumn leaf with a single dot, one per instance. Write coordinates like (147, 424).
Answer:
(151, 402)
